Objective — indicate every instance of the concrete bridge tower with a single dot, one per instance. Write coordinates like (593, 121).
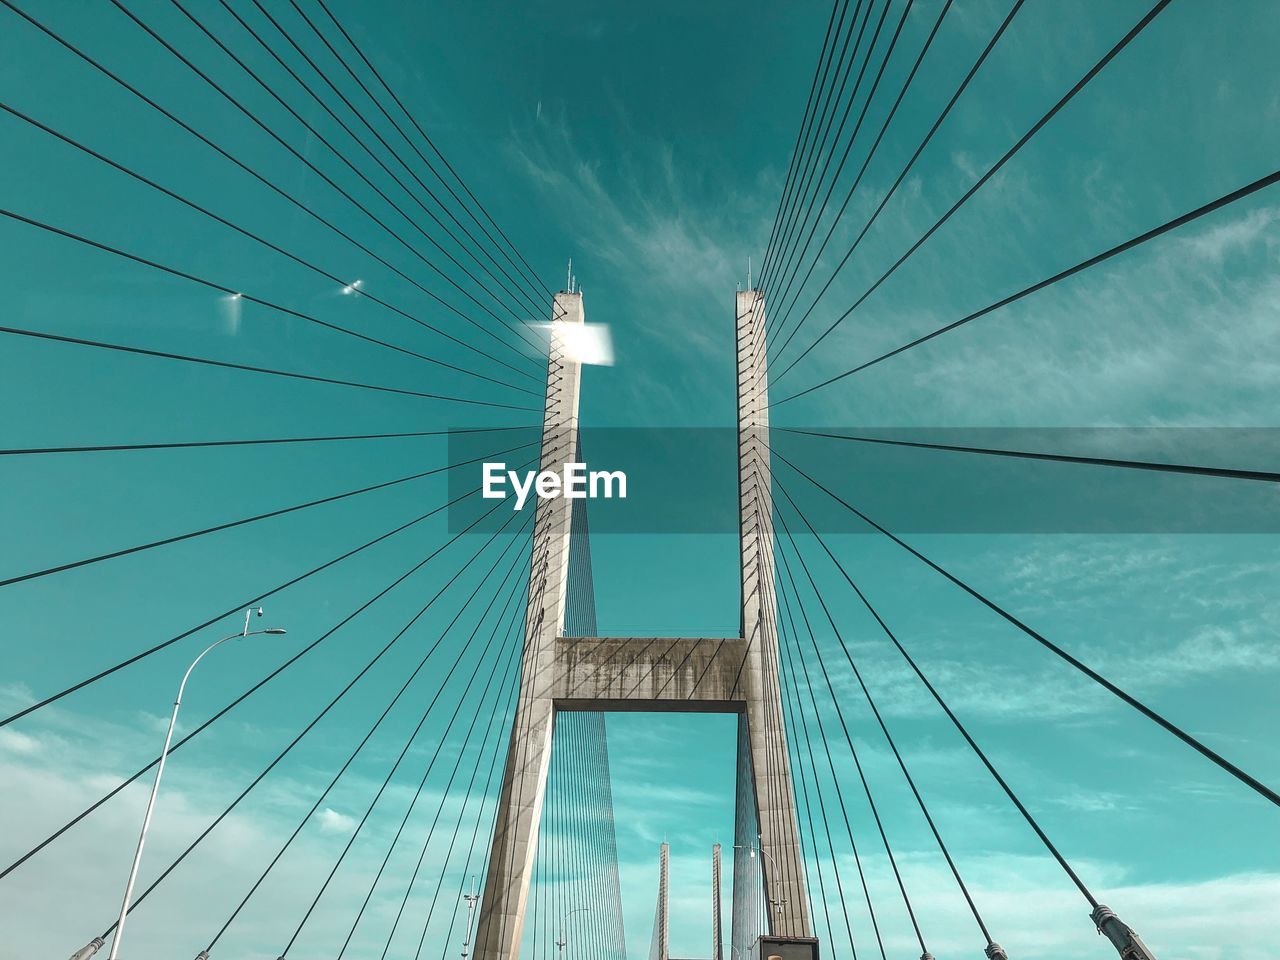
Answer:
(738, 675)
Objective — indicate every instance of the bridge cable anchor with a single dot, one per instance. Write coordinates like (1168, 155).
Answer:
(1121, 935)
(89, 949)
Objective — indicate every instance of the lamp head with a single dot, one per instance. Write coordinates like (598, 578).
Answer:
(276, 631)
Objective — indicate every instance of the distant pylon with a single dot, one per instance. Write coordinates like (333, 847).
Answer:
(717, 937)
(661, 948)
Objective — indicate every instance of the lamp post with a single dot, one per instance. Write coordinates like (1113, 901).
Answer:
(471, 899)
(751, 850)
(94, 945)
(562, 941)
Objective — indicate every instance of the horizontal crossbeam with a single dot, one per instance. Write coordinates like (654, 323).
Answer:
(659, 674)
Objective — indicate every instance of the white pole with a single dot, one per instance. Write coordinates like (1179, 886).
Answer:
(146, 823)
(471, 899)
(155, 785)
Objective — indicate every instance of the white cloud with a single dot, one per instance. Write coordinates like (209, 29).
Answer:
(634, 222)
(1216, 242)
(1035, 913)
(15, 742)
(1031, 910)
(639, 222)
(331, 821)
(1101, 349)
(69, 892)
(15, 696)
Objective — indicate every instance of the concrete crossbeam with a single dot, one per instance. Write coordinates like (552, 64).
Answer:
(654, 673)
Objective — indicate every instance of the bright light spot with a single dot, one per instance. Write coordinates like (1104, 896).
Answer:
(588, 343)
(352, 287)
(231, 306)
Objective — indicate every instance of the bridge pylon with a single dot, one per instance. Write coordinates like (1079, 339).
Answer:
(660, 948)
(736, 675)
(717, 935)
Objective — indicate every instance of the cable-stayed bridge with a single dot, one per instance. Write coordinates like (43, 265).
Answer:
(492, 818)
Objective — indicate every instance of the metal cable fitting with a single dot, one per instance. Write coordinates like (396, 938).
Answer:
(1121, 935)
(89, 949)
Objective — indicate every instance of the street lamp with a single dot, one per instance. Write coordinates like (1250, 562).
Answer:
(92, 947)
(562, 941)
(751, 850)
(471, 899)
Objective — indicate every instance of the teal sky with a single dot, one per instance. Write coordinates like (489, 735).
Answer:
(649, 143)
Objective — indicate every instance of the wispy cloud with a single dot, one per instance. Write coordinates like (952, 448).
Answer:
(1189, 309)
(637, 214)
(1034, 912)
(331, 821)
(53, 767)
(1221, 240)
(658, 226)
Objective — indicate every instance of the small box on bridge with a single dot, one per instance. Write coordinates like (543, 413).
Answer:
(785, 948)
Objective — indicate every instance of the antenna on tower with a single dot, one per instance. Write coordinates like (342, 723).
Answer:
(568, 277)
(748, 273)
